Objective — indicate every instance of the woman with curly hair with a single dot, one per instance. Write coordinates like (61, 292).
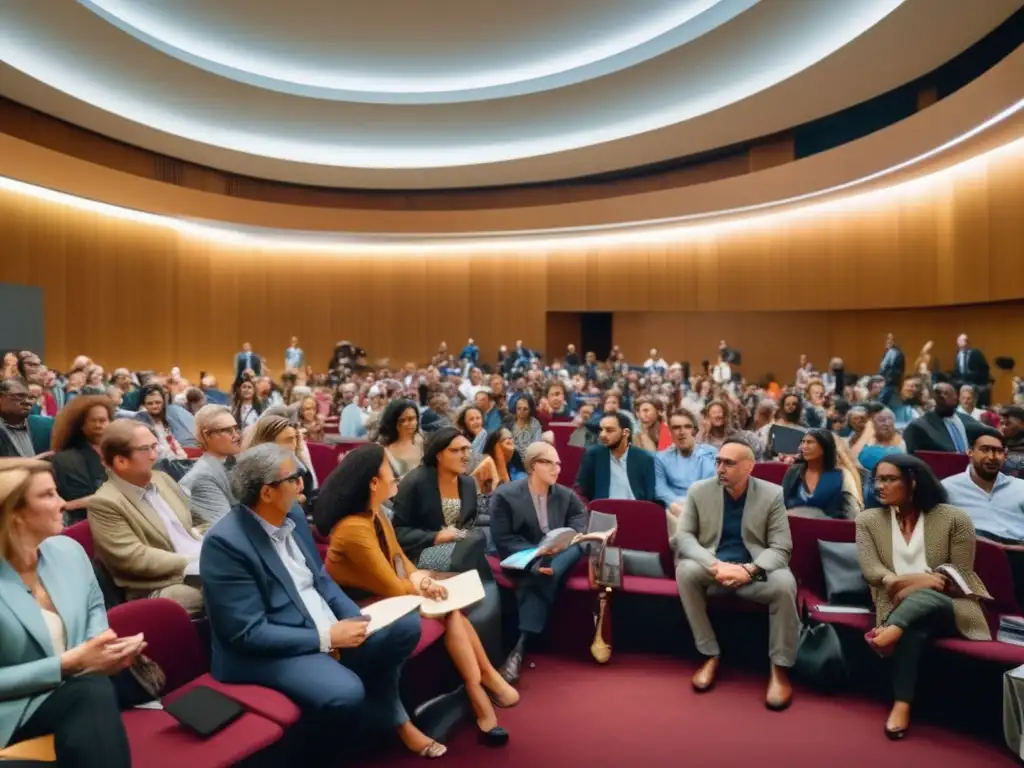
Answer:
(246, 406)
(399, 433)
(77, 467)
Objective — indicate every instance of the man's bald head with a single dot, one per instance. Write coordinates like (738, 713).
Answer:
(734, 464)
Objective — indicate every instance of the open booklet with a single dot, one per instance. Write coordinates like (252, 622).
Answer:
(558, 538)
(957, 581)
(464, 590)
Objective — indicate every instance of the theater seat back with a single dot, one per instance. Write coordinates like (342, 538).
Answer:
(771, 471)
(173, 641)
(993, 568)
(944, 464)
(81, 533)
(642, 526)
(805, 562)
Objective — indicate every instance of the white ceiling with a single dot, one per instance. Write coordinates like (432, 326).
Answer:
(453, 93)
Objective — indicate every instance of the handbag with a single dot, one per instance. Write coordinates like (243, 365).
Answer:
(470, 554)
(820, 661)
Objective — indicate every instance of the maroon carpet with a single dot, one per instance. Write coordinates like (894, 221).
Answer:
(640, 711)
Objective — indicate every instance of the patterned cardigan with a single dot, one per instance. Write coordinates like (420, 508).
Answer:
(948, 538)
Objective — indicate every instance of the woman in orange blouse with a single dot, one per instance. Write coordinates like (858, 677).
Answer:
(364, 556)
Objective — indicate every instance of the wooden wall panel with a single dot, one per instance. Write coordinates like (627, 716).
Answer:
(831, 280)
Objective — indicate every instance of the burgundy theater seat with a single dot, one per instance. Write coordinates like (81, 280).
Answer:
(944, 464)
(156, 738)
(805, 563)
(192, 451)
(562, 432)
(642, 526)
(570, 457)
(772, 471)
(431, 630)
(81, 533)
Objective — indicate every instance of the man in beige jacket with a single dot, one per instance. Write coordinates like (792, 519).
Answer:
(141, 524)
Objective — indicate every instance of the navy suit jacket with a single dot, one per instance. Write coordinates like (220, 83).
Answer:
(595, 473)
(255, 612)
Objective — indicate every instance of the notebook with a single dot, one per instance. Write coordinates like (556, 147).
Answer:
(386, 612)
(205, 710)
(464, 590)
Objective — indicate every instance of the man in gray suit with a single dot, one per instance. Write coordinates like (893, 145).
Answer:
(207, 482)
(521, 513)
(734, 538)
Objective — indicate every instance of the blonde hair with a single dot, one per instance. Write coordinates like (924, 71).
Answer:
(265, 430)
(15, 477)
(204, 418)
(536, 451)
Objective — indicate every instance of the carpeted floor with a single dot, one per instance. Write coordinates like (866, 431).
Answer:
(639, 711)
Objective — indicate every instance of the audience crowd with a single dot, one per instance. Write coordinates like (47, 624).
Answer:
(209, 497)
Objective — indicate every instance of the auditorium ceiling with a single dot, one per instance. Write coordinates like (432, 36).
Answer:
(416, 94)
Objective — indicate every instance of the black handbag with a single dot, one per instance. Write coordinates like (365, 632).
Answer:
(470, 554)
(820, 661)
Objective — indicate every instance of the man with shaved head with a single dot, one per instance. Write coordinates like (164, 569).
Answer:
(734, 539)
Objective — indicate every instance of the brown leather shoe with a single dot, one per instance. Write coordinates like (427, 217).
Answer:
(780, 692)
(703, 679)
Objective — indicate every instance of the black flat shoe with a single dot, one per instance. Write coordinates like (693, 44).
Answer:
(897, 734)
(496, 737)
(513, 665)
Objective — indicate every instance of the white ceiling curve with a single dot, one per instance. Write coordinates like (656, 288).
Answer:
(456, 93)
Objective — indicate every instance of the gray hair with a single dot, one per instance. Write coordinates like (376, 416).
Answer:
(257, 467)
(205, 416)
(535, 451)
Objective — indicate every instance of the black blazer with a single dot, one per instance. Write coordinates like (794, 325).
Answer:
(417, 513)
(514, 524)
(893, 372)
(977, 368)
(929, 433)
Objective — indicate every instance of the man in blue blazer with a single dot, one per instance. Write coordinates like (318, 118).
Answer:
(279, 621)
(614, 469)
(247, 360)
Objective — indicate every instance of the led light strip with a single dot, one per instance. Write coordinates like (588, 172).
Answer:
(667, 230)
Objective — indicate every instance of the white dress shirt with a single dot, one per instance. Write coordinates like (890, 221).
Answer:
(908, 556)
(182, 540)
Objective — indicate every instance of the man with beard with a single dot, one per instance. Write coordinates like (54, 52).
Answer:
(734, 539)
(942, 429)
(613, 469)
(21, 434)
(994, 501)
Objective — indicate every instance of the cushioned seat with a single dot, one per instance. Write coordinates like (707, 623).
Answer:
(991, 651)
(265, 702)
(158, 740)
(578, 582)
(431, 630)
(82, 533)
(500, 576)
(647, 585)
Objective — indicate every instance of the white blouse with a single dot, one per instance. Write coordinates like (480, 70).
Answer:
(58, 636)
(908, 556)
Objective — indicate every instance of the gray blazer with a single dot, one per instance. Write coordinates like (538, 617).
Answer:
(29, 667)
(765, 524)
(209, 489)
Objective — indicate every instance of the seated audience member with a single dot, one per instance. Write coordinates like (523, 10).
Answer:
(764, 417)
(967, 402)
(1011, 424)
(154, 415)
(364, 557)
(900, 544)
(310, 419)
(680, 466)
(57, 652)
(555, 406)
(486, 402)
(22, 434)
(613, 470)
(815, 413)
(277, 620)
(734, 538)
(942, 429)
(652, 433)
(77, 463)
(352, 419)
(818, 485)
(878, 440)
(500, 463)
(525, 426)
(435, 508)
(207, 481)
(521, 513)
(856, 422)
(192, 400)
(472, 385)
(141, 523)
(791, 411)
(399, 433)
(611, 402)
(246, 407)
(907, 405)
(717, 427)
(438, 414)
(275, 426)
(994, 501)
(470, 422)
(214, 396)
(582, 437)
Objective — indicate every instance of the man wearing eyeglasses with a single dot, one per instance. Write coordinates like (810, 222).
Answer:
(21, 434)
(141, 524)
(734, 539)
(207, 482)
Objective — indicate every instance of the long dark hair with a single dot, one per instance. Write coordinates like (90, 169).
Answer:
(437, 442)
(460, 420)
(346, 491)
(388, 430)
(236, 399)
(148, 390)
(798, 416)
(827, 441)
(923, 486)
(515, 461)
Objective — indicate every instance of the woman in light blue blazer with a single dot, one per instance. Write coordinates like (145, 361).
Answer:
(56, 652)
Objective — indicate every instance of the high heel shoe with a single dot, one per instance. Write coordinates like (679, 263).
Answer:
(496, 737)
(896, 734)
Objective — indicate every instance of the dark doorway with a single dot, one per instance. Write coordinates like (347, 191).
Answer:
(596, 333)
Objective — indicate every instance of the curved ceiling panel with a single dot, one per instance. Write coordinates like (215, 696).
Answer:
(401, 93)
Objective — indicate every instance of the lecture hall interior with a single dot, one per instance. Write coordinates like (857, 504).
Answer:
(740, 280)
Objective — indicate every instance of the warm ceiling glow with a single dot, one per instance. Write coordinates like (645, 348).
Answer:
(667, 231)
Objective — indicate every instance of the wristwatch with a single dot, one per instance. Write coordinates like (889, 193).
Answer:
(757, 573)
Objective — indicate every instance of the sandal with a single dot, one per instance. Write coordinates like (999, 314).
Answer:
(433, 750)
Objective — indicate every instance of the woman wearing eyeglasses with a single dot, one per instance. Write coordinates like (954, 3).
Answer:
(900, 545)
(364, 557)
